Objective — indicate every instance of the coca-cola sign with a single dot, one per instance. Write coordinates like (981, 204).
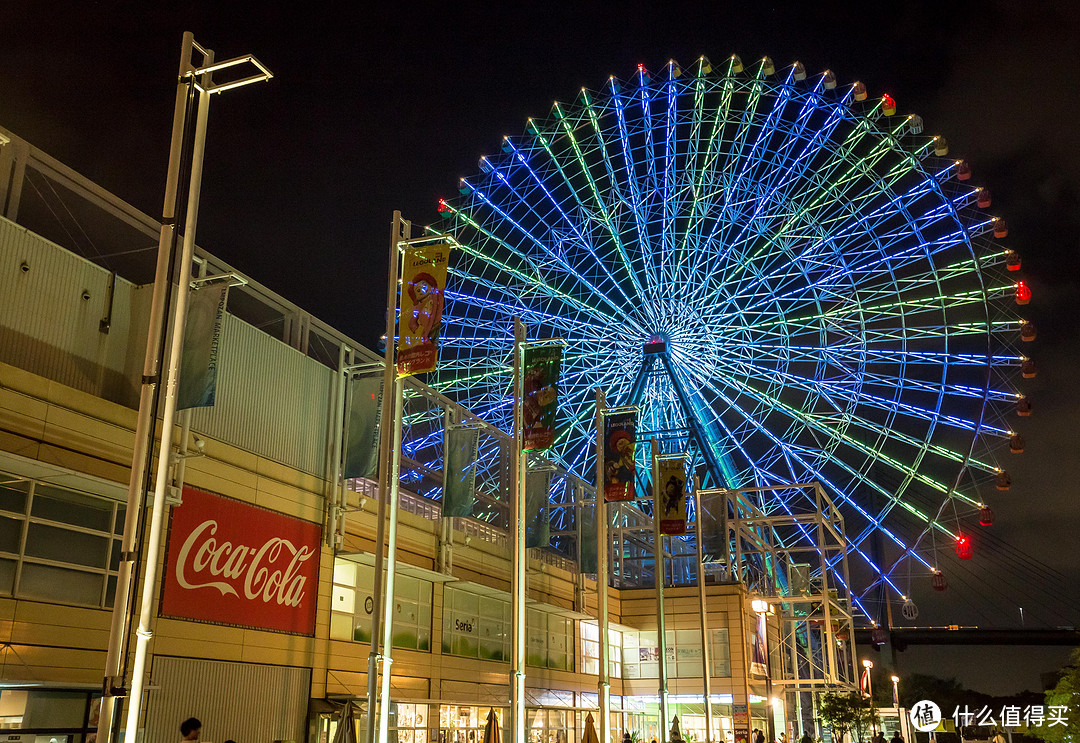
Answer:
(234, 563)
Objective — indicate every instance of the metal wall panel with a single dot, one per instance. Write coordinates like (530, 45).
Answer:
(271, 399)
(238, 701)
(51, 313)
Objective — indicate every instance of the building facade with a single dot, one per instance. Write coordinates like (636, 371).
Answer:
(262, 592)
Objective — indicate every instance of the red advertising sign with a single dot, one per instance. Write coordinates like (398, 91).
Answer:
(234, 563)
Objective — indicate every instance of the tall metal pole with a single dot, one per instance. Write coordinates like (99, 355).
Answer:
(161, 480)
(517, 578)
(385, 443)
(391, 564)
(658, 574)
(706, 656)
(334, 534)
(118, 631)
(603, 545)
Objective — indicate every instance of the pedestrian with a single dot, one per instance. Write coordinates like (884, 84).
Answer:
(783, 737)
(998, 737)
(806, 737)
(190, 729)
(897, 739)
(760, 737)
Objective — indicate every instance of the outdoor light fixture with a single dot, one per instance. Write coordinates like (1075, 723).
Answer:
(868, 663)
(760, 606)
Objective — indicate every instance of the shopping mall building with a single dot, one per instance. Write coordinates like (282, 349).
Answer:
(235, 631)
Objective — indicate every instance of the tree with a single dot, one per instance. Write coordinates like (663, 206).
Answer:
(1065, 694)
(846, 713)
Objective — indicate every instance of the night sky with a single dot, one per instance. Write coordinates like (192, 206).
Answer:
(376, 110)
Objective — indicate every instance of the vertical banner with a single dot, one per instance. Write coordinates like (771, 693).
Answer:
(540, 385)
(459, 471)
(671, 493)
(587, 535)
(362, 427)
(758, 659)
(423, 281)
(197, 387)
(620, 470)
(712, 510)
(537, 499)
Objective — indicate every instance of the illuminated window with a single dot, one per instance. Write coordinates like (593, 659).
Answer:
(352, 603)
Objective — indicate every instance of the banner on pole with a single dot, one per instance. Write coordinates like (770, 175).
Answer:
(671, 495)
(589, 562)
(620, 469)
(423, 282)
(202, 339)
(758, 659)
(362, 427)
(540, 386)
(712, 510)
(537, 499)
(459, 471)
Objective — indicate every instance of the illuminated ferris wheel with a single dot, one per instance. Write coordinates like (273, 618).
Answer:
(793, 282)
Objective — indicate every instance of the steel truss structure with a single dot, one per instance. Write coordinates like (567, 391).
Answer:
(831, 300)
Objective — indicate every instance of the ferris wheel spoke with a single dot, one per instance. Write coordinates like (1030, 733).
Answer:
(846, 401)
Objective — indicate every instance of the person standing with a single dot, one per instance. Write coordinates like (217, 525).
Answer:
(759, 737)
(897, 739)
(807, 739)
(190, 729)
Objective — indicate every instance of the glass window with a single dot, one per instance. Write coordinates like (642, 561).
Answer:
(7, 575)
(63, 526)
(63, 545)
(68, 507)
(48, 583)
(353, 602)
(13, 495)
(590, 650)
(721, 653)
(10, 534)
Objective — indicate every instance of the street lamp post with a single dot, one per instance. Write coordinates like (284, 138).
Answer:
(763, 608)
(195, 85)
(895, 692)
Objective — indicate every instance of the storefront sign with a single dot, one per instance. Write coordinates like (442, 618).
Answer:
(233, 563)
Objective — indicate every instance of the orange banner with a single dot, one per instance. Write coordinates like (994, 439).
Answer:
(423, 282)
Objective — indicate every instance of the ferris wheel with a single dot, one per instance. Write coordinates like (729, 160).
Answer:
(791, 281)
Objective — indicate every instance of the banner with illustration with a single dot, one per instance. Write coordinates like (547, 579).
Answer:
(537, 498)
(620, 438)
(364, 399)
(670, 491)
(423, 281)
(197, 387)
(459, 473)
(758, 659)
(540, 395)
